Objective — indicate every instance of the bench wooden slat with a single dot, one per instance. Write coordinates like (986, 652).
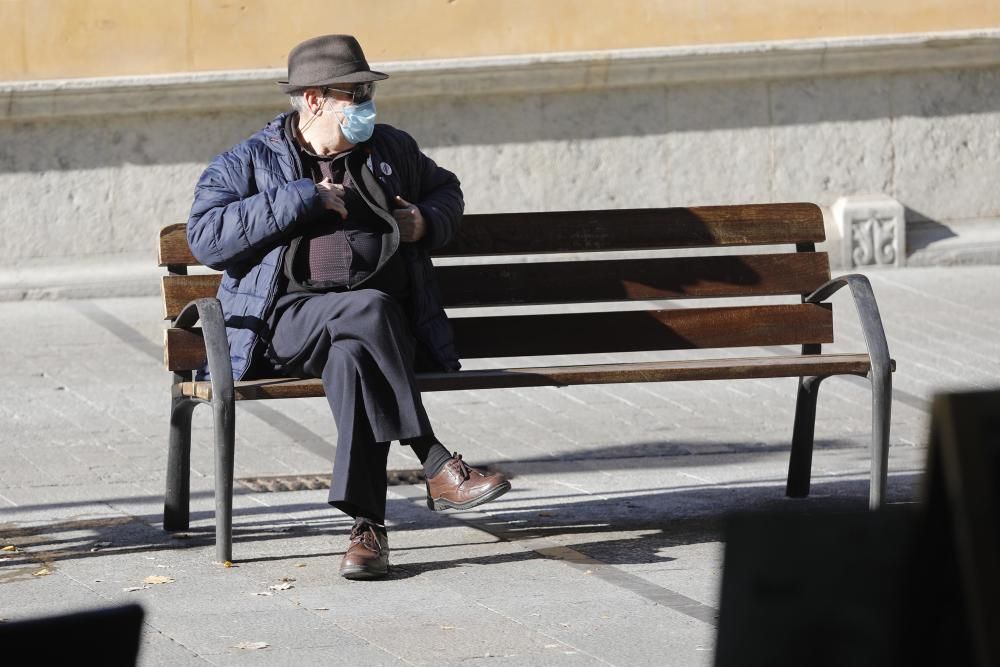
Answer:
(571, 282)
(183, 349)
(587, 333)
(174, 250)
(179, 291)
(636, 229)
(618, 280)
(636, 331)
(561, 376)
(652, 371)
(619, 229)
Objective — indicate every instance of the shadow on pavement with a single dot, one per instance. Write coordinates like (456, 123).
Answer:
(652, 521)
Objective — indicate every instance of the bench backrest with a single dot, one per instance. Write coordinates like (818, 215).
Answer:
(509, 239)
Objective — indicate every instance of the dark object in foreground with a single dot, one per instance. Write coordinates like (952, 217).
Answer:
(818, 589)
(910, 585)
(107, 637)
(963, 505)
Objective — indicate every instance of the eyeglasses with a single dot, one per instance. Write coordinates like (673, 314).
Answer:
(362, 92)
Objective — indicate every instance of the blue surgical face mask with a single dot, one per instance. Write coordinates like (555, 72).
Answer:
(359, 121)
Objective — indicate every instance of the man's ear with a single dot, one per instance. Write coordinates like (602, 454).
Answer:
(314, 99)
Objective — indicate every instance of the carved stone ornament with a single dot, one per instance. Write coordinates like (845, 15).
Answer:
(873, 230)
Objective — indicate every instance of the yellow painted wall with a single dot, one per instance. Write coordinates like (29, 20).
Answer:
(42, 39)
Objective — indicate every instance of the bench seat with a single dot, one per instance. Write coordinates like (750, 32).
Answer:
(748, 368)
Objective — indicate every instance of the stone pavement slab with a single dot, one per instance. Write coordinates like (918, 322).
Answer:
(608, 550)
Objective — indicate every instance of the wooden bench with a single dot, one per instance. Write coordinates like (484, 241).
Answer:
(804, 320)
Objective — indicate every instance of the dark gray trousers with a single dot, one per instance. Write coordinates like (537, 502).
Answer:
(360, 344)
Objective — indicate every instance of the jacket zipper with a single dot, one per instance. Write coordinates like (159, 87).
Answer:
(297, 173)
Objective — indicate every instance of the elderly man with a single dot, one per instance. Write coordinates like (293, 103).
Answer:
(322, 222)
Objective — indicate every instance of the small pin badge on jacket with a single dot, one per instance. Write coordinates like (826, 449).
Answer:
(386, 169)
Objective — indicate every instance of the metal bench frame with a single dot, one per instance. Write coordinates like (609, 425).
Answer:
(221, 392)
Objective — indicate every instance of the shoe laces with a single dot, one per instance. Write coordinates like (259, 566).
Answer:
(460, 466)
(364, 534)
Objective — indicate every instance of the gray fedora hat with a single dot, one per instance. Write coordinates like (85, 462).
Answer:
(326, 60)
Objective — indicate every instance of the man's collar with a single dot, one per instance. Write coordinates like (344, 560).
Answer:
(290, 126)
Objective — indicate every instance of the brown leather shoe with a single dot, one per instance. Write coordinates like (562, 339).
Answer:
(460, 486)
(367, 555)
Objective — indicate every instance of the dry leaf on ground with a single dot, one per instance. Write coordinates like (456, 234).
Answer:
(264, 594)
(251, 646)
(280, 587)
(287, 579)
(157, 579)
(9, 547)
(41, 573)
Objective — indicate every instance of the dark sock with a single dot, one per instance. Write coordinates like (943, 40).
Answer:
(432, 454)
(364, 520)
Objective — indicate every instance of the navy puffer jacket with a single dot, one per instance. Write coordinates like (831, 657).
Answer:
(250, 201)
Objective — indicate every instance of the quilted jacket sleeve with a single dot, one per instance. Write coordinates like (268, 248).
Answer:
(434, 189)
(231, 221)
(441, 202)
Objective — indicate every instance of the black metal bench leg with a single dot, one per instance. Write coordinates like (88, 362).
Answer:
(225, 450)
(880, 374)
(177, 500)
(881, 380)
(800, 461)
(213, 326)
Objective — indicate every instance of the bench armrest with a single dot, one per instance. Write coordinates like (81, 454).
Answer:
(871, 322)
(213, 327)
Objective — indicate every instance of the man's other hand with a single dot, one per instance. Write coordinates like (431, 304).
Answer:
(412, 226)
(332, 196)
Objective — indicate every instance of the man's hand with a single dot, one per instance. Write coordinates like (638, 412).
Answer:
(412, 226)
(332, 196)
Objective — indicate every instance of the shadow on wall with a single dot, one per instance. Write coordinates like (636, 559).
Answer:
(695, 108)
(194, 138)
(124, 140)
(922, 231)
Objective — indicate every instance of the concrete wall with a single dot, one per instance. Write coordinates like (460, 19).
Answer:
(41, 39)
(78, 184)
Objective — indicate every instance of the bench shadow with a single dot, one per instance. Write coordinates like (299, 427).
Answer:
(673, 453)
(636, 527)
(654, 524)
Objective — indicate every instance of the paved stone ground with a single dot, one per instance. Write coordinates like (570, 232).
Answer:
(607, 551)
